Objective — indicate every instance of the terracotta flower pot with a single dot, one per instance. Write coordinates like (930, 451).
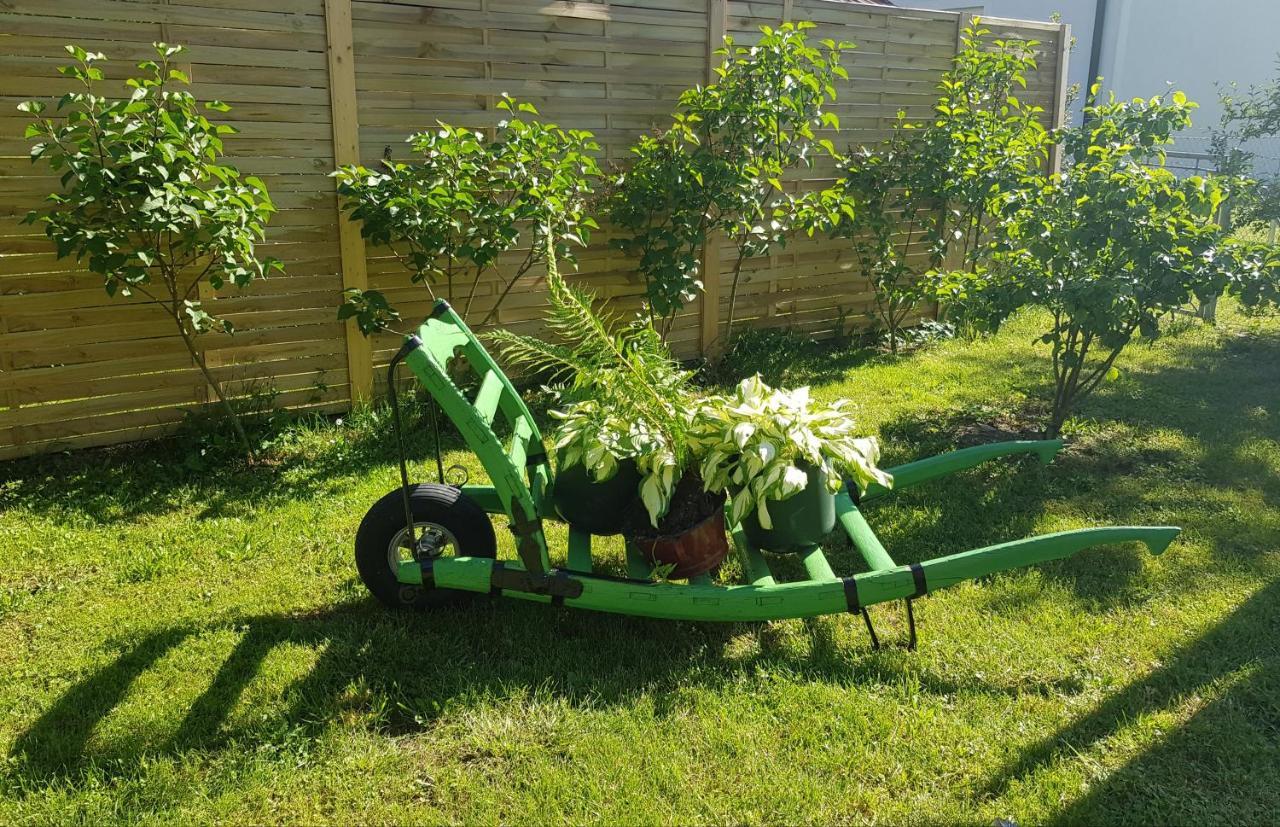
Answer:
(800, 521)
(694, 550)
(598, 507)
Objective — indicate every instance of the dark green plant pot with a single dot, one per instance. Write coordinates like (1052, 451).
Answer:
(597, 507)
(799, 522)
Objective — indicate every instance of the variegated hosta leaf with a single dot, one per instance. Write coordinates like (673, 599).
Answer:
(752, 441)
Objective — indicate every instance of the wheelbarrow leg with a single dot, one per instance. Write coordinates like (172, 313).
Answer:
(911, 627)
(871, 630)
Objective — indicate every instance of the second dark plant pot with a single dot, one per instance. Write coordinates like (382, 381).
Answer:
(800, 521)
(598, 507)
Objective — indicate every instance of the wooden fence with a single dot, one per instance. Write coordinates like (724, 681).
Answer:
(316, 83)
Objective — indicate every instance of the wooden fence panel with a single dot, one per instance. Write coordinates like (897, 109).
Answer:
(314, 83)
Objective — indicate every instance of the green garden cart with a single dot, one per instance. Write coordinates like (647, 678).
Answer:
(429, 544)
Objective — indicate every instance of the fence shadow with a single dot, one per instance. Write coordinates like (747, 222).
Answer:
(126, 482)
(1223, 758)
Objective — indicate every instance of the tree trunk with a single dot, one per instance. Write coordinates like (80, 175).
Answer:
(230, 411)
(733, 294)
(1054, 426)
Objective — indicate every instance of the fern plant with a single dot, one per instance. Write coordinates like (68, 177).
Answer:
(625, 396)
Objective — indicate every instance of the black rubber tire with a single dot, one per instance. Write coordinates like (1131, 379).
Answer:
(443, 505)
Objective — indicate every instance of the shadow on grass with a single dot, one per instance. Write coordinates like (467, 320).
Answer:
(412, 668)
(1220, 763)
(123, 483)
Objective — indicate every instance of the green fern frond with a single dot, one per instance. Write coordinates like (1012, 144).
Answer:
(543, 357)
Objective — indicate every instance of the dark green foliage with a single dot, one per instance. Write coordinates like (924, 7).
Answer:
(721, 164)
(463, 201)
(145, 202)
(208, 437)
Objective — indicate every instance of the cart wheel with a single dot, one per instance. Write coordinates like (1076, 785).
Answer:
(445, 522)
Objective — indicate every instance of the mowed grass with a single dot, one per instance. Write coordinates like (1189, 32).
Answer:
(180, 647)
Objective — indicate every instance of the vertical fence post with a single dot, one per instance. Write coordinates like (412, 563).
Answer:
(11, 436)
(1060, 95)
(717, 25)
(346, 150)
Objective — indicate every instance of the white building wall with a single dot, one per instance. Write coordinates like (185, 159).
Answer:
(1150, 46)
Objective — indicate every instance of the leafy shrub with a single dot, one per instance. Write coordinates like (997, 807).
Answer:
(144, 201)
(449, 215)
(1253, 114)
(1110, 245)
(932, 187)
(721, 163)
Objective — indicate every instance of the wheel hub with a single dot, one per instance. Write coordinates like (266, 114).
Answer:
(432, 541)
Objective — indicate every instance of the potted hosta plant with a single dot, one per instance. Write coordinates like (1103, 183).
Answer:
(597, 480)
(783, 459)
(627, 407)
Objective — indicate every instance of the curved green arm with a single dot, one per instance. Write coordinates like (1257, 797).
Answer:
(942, 572)
(923, 470)
(806, 598)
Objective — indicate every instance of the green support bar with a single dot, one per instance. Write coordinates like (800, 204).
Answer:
(485, 496)
(860, 533)
(638, 568)
(753, 563)
(816, 565)
(923, 470)
(579, 550)
(678, 601)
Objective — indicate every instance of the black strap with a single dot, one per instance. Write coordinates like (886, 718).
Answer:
(917, 574)
(852, 605)
(495, 577)
(525, 528)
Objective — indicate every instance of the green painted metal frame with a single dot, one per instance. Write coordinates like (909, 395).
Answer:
(522, 478)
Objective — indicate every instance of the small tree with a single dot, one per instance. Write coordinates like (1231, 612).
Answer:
(931, 187)
(144, 200)
(1247, 117)
(721, 164)
(887, 203)
(449, 215)
(984, 139)
(1111, 245)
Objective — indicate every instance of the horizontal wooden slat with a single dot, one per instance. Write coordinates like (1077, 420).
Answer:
(79, 368)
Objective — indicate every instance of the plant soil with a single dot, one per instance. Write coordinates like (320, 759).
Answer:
(690, 505)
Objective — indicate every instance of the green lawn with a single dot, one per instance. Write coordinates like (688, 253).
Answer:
(186, 647)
